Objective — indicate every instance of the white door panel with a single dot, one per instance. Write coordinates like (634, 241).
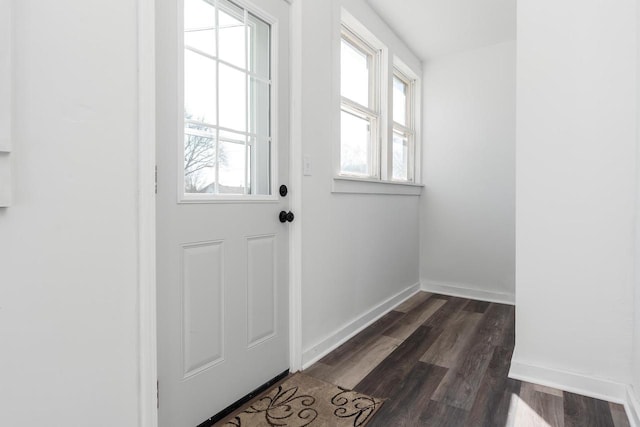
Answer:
(223, 326)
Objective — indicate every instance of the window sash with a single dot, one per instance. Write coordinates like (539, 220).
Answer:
(407, 130)
(373, 162)
(370, 112)
(373, 60)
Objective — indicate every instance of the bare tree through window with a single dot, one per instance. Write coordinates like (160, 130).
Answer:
(200, 160)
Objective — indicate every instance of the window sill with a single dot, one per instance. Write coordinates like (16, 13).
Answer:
(352, 185)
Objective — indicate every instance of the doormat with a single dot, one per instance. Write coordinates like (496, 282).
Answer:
(301, 401)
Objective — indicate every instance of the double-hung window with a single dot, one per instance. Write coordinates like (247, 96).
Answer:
(378, 126)
(403, 140)
(360, 107)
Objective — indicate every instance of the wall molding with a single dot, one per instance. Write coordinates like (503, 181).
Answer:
(598, 388)
(346, 332)
(632, 406)
(464, 291)
(295, 181)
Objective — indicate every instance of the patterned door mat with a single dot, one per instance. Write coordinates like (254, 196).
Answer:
(300, 401)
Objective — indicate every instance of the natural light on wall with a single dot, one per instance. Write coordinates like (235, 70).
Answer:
(227, 100)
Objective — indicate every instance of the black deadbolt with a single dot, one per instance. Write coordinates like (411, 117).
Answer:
(283, 190)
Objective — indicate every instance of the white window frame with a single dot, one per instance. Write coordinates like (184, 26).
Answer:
(409, 128)
(369, 112)
(380, 181)
(273, 139)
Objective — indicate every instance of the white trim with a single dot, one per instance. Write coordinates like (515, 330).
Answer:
(354, 185)
(598, 388)
(295, 181)
(6, 71)
(463, 291)
(147, 334)
(632, 407)
(348, 331)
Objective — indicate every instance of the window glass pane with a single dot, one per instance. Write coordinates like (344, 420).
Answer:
(232, 173)
(199, 162)
(232, 34)
(259, 46)
(260, 166)
(354, 74)
(355, 150)
(400, 90)
(259, 100)
(400, 157)
(199, 88)
(199, 26)
(233, 98)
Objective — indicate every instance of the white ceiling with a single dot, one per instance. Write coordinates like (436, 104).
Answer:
(437, 27)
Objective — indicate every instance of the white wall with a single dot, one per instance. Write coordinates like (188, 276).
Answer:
(635, 361)
(68, 320)
(575, 180)
(358, 250)
(468, 208)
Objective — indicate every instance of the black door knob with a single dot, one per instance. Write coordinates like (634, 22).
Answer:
(286, 216)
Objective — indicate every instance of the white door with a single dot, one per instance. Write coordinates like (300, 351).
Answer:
(223, 140)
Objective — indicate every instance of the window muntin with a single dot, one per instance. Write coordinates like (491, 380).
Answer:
(403, 134)
(360, 112)
(227, 100)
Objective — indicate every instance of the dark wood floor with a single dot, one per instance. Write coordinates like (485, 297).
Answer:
(443, 361)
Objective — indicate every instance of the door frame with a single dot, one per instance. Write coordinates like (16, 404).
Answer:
(146, 204)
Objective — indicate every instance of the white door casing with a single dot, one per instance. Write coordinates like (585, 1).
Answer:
(222, 261)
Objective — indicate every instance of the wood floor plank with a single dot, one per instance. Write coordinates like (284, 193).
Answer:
(346, 350)
(440, 415)
(382, 381)
(439, 319)
(406, 405)
(476, 306)
(409, 323)
(462, 382)
(601, 413)
(619, 415)
(494, 401)
(581, 411)
(538, 409)
(447, 349)
(349, 372)
(548, 390)
(412, 302)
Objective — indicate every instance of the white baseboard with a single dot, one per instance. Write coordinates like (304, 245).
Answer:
(457, 290)
(572, 382)
(346, 332)
(632, 406)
